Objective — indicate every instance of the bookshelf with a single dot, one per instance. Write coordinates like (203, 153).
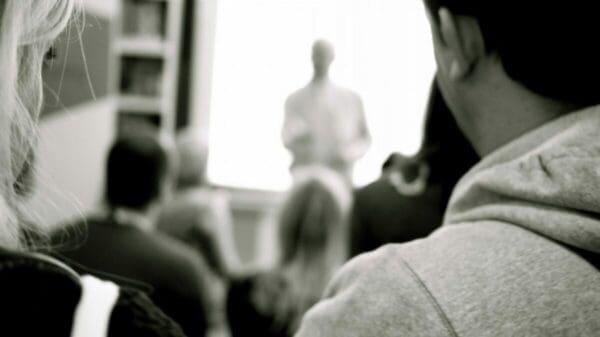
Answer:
(145, 53)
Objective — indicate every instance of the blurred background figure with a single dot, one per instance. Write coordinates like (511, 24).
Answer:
(408, 175)
(313, 239)
(400, 206)
(199, 215)
(409, 200)
(123, 241)
(325, 124)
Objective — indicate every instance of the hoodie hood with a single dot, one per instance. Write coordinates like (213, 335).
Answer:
(546, 181)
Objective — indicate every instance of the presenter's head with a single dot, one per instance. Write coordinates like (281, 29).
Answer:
(323, 55)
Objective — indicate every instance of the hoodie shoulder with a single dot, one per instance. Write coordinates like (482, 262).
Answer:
(376, 294)
(463, 280)
(493, 276)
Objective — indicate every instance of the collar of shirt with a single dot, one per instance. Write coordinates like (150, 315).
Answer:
(128, 217)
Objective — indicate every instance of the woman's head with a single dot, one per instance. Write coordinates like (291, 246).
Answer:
(314, 215)
(27, 30)
(314, 240)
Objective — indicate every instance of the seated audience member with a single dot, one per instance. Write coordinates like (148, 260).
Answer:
(199, 215)
(313, 240)
(400, 206)
(124, 243)
(518, 253)
(408, 201)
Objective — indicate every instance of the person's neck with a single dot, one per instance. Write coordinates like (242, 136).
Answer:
(511, 112)
(320, 79)
(140, 219)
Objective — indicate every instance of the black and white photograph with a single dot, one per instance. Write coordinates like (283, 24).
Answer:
(299, 168)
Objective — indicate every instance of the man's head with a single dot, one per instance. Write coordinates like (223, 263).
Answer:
(322, 56)
(503, 54)
(138, 172)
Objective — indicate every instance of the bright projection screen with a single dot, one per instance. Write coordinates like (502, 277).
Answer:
(262, 54)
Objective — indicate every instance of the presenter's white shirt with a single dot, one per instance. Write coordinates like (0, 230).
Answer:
(325, 125)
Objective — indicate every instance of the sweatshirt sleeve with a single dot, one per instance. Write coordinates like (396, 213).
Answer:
(376, 294)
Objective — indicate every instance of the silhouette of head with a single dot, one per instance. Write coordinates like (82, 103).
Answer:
(136, 171)
(322, 56)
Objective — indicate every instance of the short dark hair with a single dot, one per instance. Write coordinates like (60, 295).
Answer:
(548, 46)
(137, 165)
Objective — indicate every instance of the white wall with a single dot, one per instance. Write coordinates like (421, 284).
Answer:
(70, 161)
(101, 7)
(203, 53)
(384, 53)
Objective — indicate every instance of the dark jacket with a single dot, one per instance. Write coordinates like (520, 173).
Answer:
(251, 308)
(381, 215)
(39, 298)
(178, 277)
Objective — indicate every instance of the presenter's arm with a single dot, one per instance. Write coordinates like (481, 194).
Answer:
(362, 142)
(295, 132)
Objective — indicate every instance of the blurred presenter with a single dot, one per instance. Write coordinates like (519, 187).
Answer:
(325, 124)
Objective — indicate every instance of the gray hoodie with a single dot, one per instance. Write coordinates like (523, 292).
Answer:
(500, 265)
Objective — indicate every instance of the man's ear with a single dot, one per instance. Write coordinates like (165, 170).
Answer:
(460, 42)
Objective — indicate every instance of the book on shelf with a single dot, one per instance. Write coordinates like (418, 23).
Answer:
(144, 18)
(141, 76)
